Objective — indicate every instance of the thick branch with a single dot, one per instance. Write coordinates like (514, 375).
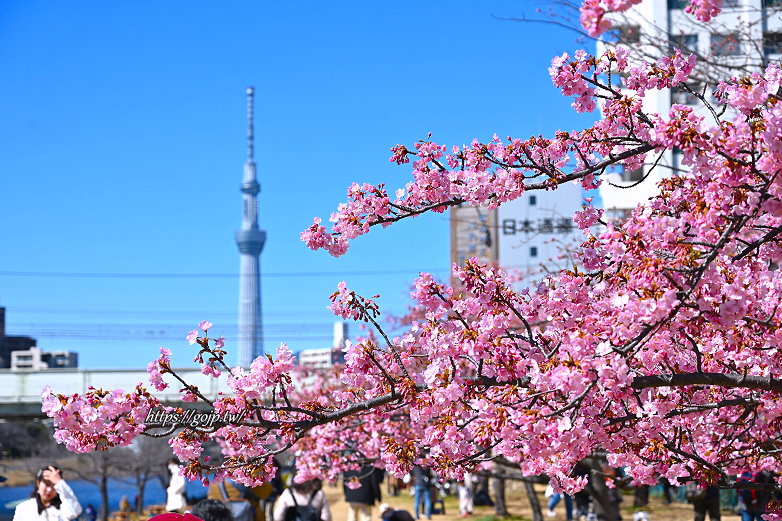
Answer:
(762, 383)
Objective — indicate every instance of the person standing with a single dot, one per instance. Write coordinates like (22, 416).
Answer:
(235, 490)
(175, 493)
(554, 500)
(753, 502)
(422, 478)
(52, 499)
(307, 495)
(360, 499)
(90, 513)
(666, 485)
(464, 490)
(710, 503)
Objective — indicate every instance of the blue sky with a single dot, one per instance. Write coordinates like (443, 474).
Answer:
(123, 140)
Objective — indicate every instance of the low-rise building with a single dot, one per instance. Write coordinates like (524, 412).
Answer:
(34, 359)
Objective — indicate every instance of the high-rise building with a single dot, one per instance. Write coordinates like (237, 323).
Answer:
(9, 344)
(20, 352)
(743, 38)
(250, 240)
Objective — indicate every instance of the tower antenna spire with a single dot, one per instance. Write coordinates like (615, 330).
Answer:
(250, 93)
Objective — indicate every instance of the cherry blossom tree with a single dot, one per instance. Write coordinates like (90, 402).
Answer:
(659, 349)
(746, 49)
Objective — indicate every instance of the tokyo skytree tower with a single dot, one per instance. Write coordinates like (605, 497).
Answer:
(250, 240)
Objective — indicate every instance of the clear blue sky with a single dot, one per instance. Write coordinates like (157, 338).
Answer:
(123, 140)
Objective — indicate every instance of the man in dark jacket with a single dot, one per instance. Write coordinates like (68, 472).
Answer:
(361, 499)
(710, 504)
(422, 480)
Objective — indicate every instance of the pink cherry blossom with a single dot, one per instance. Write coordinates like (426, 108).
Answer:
(204, 326)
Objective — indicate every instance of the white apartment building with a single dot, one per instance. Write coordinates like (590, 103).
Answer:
(34, 359)
(329, 356)
(528, 237)
(536, 232)
(745, 36)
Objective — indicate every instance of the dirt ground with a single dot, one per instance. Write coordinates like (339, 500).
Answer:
(518, 506)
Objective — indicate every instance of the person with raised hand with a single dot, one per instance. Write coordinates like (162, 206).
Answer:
(52, 499)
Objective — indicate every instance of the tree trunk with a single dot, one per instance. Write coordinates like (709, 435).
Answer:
(533, 501)
(483, 484)
(141, 482)
(605, 499)
(498, 482)
(104, 494)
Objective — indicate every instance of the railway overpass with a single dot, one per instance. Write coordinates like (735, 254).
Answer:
(20, 390)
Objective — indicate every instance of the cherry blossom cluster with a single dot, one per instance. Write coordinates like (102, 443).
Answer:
(98, 419)
(704, 10)
(265, 373)
(349, 305)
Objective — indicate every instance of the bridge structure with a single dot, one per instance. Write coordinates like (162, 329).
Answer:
(20, 391)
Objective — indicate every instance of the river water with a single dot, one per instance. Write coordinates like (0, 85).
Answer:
(154, 494)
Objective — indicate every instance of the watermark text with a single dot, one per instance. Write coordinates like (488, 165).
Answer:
(160, 417)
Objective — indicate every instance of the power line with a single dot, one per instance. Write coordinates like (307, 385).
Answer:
(125, 275)
(222, 326)
(169, 314)
(280, 337)
(89, 331)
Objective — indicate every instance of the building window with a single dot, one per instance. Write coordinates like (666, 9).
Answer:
(533, 251)
(772, 43)
(686, 43)
(564, 225)
(624, 34)
(725, 44)
(620, 214)
(731, 3)
(683, 96)
(677, 4)
(632, 176)
(533, 200)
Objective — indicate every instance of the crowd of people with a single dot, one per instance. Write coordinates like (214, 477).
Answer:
(52, 499)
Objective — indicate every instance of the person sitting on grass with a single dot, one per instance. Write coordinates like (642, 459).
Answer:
(388, 513)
